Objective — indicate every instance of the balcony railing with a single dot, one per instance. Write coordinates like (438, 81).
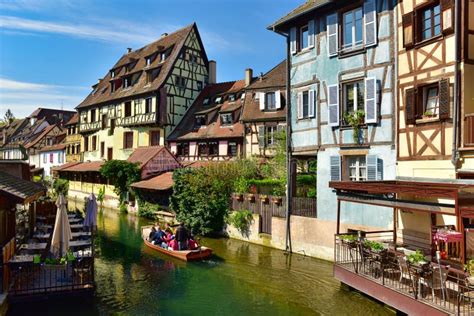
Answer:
(138, 119)
(13, 152)
(87, 127)
(439, 287)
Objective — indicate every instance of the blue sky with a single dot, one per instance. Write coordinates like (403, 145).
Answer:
(51, 52)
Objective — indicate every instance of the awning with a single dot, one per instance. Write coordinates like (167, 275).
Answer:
(23, 190)
(159, 183)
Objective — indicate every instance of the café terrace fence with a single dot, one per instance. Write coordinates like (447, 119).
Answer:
(275, 205)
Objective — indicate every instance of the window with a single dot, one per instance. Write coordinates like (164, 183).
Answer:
(60, 157)
(428, 101)
(203, 149)
(86, 143)
(128, 140)
(93, 117)
(163, 56)
(270, 102)
(193, 59)
(231, 98)
(304, 37)
(112, 74)
(270, 135)
(148, 61)
(148, 105)
(154, 138)
(352, 33)
(213, 149)
(200, 120)
(127, 82)
(226, 119)
(45, 158)
(205, 101)
(94, 142)
(128, 108)
(183, 149)
(104, 121)
(232, 149)
(51, 158)
(102, 149)
(199, 85)
(218, 100)
(180, 82)
(357, 168)
(305, 104)
(148, 77)
(353, 94)
(431, 100)
(430, 22)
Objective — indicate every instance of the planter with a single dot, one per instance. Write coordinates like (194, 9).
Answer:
(350, 244)
(54, 266)
(277, 200)
(264, 199)
(251, 197)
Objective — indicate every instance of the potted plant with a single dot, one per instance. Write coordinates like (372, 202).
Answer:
(264, 198)
(278, 192)
(416, 258)
(355, 120)
(350, 240)
(469, 267)
(374, 246)
(240, 187)
(428, 114)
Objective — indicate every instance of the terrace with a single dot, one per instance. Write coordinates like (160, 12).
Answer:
(413, 268)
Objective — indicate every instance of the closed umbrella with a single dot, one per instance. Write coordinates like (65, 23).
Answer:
(62, 229)
(91, 212)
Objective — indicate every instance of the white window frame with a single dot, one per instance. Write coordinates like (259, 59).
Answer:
(267, 107)
(226, 115)
(353, 44)
(344, 100)
(304, 36)
(270, 132)
(358, 167)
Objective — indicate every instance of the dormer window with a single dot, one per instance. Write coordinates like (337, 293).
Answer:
(226, 119)
(163, 56)
(200, 120)
(232, 98)
(127, 82)
(218, 100)
(270, 101)
(242, 96)
(112, 73)
(148, 61)
(205, 101)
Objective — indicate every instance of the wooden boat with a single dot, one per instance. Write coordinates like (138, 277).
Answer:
(185, 255)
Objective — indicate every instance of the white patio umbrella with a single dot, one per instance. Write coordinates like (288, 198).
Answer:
(62, 229)
(91, 213)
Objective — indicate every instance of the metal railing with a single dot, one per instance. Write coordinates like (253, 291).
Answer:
(276, 205)
(436, 285)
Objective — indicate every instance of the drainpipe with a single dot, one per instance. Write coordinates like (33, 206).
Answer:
(289, 182)
(457, 84)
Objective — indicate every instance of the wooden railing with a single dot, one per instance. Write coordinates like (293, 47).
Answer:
(94, 126)
(469, 130)
(138, 119)
(276, 205)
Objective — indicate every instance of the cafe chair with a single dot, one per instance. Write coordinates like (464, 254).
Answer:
(437, 282)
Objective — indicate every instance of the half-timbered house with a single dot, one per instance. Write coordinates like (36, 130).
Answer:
(342, 74)
(212, 130)
(143, 96)
(264, 112)
(73, 140)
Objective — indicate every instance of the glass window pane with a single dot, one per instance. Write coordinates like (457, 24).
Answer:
(305, 103)
(304, 37)
(358, 32)
(426, 34)
(348, 23)
(360, 95)
(437, 30)
(436, 9)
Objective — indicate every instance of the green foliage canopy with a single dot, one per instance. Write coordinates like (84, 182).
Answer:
(122, 174)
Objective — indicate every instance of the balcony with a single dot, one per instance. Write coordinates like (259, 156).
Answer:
(13, 152)
(139, 119)
(385, 275)
(89, 127)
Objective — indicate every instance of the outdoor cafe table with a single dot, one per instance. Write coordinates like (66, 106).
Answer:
(34, 247)
(419, 271)
(21, 259)
(42, 236)
(80, 234)
(80, 243)
(75, 220)
(44, 227)
(77, 226)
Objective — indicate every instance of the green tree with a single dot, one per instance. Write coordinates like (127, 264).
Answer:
(8, 117)
(121, 174)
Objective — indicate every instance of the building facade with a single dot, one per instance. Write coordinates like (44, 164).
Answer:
(144, 96)
(73, 140)
(343, 97)
(50, 157)
(264, 111)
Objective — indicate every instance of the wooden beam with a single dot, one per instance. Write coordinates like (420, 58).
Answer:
(338, 216)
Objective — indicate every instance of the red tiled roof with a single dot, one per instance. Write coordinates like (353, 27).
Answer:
(43, 134)
(142, 155)
(22, 189)
(186, 129)
(65, 166)
(53, 147)
(85, 166)
(173, 41)
(74, 120)
(162, 182)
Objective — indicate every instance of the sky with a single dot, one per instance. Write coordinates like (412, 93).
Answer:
(52, 52)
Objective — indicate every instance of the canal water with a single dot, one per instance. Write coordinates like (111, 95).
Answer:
(240, 279)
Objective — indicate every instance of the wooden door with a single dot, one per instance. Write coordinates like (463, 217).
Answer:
(109, 153)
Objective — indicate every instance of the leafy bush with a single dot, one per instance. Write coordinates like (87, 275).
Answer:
(416, 257)
(123, 208)
(375, 246)
(241, 185)
(311, 193)
(101, 195)
(241, 220)
(147, 209)
(306, 179)
(122, 174)
(61, 186)
(349, 238)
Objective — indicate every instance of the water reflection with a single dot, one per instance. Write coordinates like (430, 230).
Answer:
(240, 279)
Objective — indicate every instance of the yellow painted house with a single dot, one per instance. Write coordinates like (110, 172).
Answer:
(143, 96)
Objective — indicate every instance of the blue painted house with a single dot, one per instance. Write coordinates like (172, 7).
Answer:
(343, 98)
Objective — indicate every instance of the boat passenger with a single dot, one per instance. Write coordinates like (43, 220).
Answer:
(151, 236)
(159, 236)
(168, 226)
(173, 245)
(192, 244)
(169, 235)
(182, 236)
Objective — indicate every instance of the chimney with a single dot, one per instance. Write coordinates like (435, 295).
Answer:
(129, 50)
(248, 76)
(212, 72)
(164, 35)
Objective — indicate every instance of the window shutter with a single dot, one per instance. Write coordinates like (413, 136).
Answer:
(444, 99)
(410, 106)
(311, 32)
(335, 162)
(261, 100)
(300, 105)
(408, 30)
(277, 100)
(261, 136)
(332, 38)
(333, 105)
(371, 100)
(372, 167)
(311, 103)
(447, 14)
(293, 40)
(370, 20)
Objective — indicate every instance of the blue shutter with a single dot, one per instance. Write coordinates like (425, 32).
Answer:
(311, 32)
(311, 102)
(293, 40)
(332, 38)
(370, 100)
(370, 23)
(335, 162)
(333, 105)
(372, 167)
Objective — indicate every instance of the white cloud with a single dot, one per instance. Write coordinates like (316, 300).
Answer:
(22, 98)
